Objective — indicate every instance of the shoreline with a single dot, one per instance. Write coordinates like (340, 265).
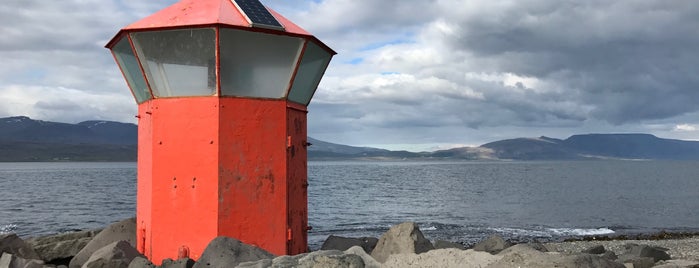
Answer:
(401, 246)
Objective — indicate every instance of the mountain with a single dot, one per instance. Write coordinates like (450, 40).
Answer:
(595, 146)
(25, 139)
(320, 150)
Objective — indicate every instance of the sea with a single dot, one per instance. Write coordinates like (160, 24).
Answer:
(459, 201)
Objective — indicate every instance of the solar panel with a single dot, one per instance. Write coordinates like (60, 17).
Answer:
(257, 14)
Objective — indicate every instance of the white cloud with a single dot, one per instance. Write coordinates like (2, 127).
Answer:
(686, 127)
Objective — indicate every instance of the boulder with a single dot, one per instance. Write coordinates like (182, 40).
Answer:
(317, 259)
(225, 252)
(181, 263)
(634, 251)
(524, 256)
(447, 258)
(439, 244)
(60, 248)
(115, 255)
(538, 246)
(677, 264)
(492, 244)
(12, 244)
(320, 259)
(121, 231)
(599, 249)
(8, 260)
(344, 243)
(141, 262)
(638, 262)
(369, 262)
(402, 238)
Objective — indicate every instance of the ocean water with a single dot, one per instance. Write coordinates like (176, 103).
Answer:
(457, 201)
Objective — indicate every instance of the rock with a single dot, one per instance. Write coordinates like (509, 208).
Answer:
(599, 249)
(634, 250)
(256, 264)
(538, 246)
(369, 262)
(12, 244)
(121, 231)
(60, 248)
(402, 238)
(677, 264)
(115, 255)
(492, 244)
(8, 260)
(318, 259)
(524, 256)
(225, 252)
(141, 262)
(638, 262)
(609, 255)
(449, 257)
(181, 263)
(344, 243)
(439, 244)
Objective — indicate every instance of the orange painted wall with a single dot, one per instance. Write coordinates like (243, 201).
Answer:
(211, 166)
(297, 181)
(253, 172)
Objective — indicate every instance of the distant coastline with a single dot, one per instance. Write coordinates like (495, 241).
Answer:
(23, 139)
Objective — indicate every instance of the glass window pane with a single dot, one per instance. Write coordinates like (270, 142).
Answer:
(255, 64)
(132, 72)
(313, 64)
(178, 62)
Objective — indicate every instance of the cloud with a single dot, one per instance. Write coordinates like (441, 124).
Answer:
(432, 72)
(685, 127)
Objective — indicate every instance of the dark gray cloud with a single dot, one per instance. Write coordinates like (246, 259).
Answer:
(629, 60)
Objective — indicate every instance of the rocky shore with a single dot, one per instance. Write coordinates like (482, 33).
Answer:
(402, 246)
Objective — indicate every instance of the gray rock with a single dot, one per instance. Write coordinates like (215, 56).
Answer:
(121, 231)
(442, 258)
(402, 238)
(225, 252)
(439, 244)
(492, 244)
(369, 262)
(637, 262)
(115, 255)
(609, 255)
(141, 262)
(599, 249)
(344, 243)
(181, 263)
(265, 263)
(538, 246)
(677, 264)
(8, 260)
(12, 244)
(61, 246)
(320, 259)
(634, 250)
(526, 257)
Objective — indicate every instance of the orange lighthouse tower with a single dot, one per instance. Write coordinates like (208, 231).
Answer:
(222, 88)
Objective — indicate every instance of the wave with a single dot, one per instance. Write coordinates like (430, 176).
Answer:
(553, 232)
(577, 232)
(9, 228)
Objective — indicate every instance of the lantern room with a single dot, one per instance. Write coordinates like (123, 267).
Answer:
(222, 88)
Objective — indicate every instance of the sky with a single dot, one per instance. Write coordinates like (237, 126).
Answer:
(414, 75)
